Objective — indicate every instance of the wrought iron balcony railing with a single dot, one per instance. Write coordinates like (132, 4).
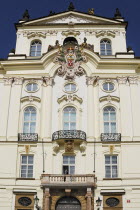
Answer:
(110, 137)
(69, 134)
(27, 137)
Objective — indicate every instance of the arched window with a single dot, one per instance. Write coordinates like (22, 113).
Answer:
(105, 47)
(29, 121)
(109, 118)
(69, 118)
(35, 49)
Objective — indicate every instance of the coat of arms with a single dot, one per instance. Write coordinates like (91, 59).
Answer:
(70, 59)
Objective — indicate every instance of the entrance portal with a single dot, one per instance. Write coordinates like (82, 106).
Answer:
(68, 203)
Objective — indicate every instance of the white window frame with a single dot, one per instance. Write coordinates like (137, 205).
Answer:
(32, 86)
(68, 165)
(30, 121)
(27, 165)
(111, 165)
(70, 87)
(105, 51)
(35, 43)
(69, 116)
(109, 121)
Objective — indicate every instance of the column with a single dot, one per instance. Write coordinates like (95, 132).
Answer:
(14, 109)
(47, 199)
(46, 108)
(4, 106)
(90, 107)
(125, 109)
(88, 197)
(135, 104)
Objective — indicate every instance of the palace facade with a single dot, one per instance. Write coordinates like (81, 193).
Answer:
(70, 110)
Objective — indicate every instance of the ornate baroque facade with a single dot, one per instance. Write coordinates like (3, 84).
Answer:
(70, 110)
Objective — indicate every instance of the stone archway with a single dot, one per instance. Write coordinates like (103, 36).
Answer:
(68, 203)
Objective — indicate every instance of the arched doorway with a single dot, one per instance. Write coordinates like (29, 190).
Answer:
(68, 203)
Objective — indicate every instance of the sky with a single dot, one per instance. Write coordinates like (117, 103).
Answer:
(11, 12)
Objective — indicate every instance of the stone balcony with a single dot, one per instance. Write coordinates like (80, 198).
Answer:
(70, 180)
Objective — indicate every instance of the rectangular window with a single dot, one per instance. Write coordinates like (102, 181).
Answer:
(111, 166)
(27, 166)
(68, 164)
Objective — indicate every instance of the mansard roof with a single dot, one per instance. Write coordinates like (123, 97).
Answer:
(71, 17)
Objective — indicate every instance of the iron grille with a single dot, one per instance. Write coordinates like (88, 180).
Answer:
(110, 137)
(27, 137)
(69, 134)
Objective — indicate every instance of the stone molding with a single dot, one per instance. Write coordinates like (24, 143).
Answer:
(122, 80)
(105, 33)
(109, 98)
(70, 32)
(69, 98)
(133, 80)
(13, 80)
(30, 99)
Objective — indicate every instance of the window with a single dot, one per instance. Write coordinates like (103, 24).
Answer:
(68, 164)
(70, 87)
(69, 118)
(27, 166)
(35, 49)
(31, 87)
(111, 166)
(108, 86)
(29, 124)
(105, 47)
(109, 118)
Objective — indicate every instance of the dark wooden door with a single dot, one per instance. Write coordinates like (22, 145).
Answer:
(68, 203)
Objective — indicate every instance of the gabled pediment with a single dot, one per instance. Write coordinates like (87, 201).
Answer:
(71, 17)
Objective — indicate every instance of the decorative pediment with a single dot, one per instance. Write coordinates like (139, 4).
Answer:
(109, 98)
(71, 17)
(30, 99)
(105, 33)
(69, 98)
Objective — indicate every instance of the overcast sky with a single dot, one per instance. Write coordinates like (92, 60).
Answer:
(12, 10)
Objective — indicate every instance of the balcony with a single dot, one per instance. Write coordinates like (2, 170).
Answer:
(110, 137)
(28, 137)
(69, 134)
(70, 180)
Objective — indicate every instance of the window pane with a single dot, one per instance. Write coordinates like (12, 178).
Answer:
(30, 159)
(65, 159)
(66, 117)
(73, 87)
(106, 127)
(114, 159)
(73, 117)
(106, 116)
(26, 116)
(72, 169)
(72, 159)
(112, 116)
(72, 126)
(66, 126)
(107, 159)
(29, 87)
(24, 159)
(33, 116)
(107, 172)
(23, 167)
(114, 171)
(113, 127)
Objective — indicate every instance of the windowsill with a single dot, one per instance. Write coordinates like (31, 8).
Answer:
(112, 179)
(25, 178)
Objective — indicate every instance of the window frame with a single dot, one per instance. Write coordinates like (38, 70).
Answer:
(105, 42)
(36, 45)
(69, 116)
(29, 122)
(68, 165)
(108, 82)
(71, 91)
(111, 164)
(26, 164)
(31, 91)
(110, 121)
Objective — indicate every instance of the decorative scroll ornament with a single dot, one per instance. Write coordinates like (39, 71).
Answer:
(70, 58)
